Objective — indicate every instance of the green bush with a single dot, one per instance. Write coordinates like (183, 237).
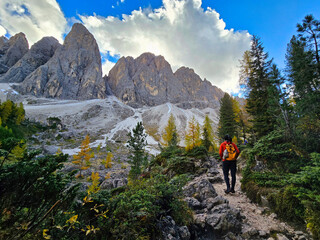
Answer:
(278, 153)
(181, 165)
(295, 197)
(252, 191)
(197, 151)
(29, 188)
(312, 216)
(287, 205)
(132, 213)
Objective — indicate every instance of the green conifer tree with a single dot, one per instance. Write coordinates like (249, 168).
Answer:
(257, 90)
(227, 120)
(136, 144)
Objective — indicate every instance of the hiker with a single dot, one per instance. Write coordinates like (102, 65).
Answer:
(229, 152)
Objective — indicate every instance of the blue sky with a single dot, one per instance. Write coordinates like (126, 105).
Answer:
(274, 21)
(209, 36)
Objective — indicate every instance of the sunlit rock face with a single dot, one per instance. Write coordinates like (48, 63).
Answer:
(149, 80)
(74, 71)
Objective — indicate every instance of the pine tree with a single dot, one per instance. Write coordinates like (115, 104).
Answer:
(245, 68)
(19, 114)
(278, 101)
(309, 33)
(170, 134)
(83, 157)
(6, 111)
(302, 75)
(136, 144)
(208, 137)
(241, 118)
(257, 90)
(227, 120)
(192, 138)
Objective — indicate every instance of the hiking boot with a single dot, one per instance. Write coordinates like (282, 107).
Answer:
(232, 190)
(227, 191)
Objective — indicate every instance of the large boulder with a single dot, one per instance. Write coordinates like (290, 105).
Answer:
(213, 216)
(38, 55)
(12, 50)
(74, 71)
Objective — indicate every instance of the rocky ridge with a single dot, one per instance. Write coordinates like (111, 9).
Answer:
(74, 71)
(149, 80)
(38, 55)
(12, 50)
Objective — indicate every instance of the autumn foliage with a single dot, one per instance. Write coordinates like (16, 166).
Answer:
(192, 138)
(82, 159)
(170, 135)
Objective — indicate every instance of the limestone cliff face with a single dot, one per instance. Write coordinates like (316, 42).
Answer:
(38, 55)
(74, 71)
(198, 89)
(145, 80)
(149, 80)
(12, 50)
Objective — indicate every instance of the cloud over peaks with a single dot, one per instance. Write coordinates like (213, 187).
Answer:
(36, 18)
(183, 32)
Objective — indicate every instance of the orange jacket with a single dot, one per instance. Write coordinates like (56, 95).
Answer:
(223, 147)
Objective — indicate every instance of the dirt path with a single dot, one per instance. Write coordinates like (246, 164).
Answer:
(254, 215)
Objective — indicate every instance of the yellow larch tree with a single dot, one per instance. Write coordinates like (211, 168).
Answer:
(107, 162)
(192, 138)
(83, 157)
(170, 135)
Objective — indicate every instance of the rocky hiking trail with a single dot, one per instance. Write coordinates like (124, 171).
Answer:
(258, 221)
(221, 216)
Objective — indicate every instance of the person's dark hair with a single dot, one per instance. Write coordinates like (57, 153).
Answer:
(227, 138)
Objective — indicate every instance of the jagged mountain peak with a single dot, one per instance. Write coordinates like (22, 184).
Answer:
(185, 69)
(12, 50)
(74, 71)
(39, 54)
(149, 80)
(79, 37)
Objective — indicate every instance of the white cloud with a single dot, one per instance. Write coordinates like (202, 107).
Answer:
(35, 18)
(181, 31)
(106, 67)
(2, 31)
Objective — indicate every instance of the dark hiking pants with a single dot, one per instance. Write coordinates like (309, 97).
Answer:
(232, 166)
